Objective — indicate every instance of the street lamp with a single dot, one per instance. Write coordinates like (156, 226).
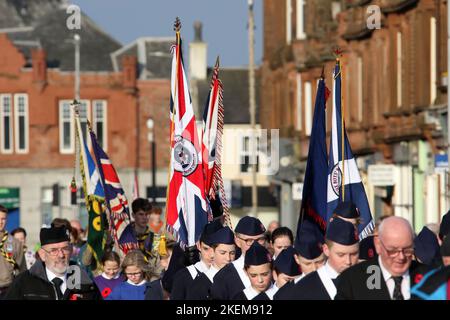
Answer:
(151, 139)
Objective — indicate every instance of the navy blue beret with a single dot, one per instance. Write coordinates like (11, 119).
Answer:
(426, 246)
(309, 240)
(209, 229)
(250, 226)
(342, 232)
(285, 262)
(346, 209)
(257, 255)
(222, 236)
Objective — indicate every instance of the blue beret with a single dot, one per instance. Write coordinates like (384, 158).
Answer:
(250, 226)
(426, 246)
(347, 210)
(367, 248)
(222, 236)
(444, 229)
(285, 262)
(342, 232)
(54, 235)
(209, 229)
(309, 240)
(257, 255)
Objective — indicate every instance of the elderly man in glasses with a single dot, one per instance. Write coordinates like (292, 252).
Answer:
(53, 277)
(389, 276)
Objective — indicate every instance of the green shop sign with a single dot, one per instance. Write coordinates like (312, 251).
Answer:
(10, 197)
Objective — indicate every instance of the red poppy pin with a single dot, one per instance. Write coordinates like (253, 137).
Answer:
(418, 278)
(370, 253)
(106, 292)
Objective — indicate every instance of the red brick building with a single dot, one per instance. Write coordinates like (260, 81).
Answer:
(393, 91)
(121, 88)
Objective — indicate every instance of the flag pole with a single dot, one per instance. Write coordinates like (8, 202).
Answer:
(338, 53)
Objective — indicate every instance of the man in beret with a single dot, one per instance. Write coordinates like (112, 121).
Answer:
(388, 276)
(222, 242)
(308, 255)
(232, 279)
(258, 267)
(341, 248)
(184, 278)
(52, 277)
(285, 270)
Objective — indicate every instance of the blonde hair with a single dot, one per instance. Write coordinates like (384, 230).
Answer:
(136, 258)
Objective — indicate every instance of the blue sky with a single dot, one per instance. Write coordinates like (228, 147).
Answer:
(224, 23)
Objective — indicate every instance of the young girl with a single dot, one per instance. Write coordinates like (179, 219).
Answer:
(282, 238)
(111, 275)
(136, 270)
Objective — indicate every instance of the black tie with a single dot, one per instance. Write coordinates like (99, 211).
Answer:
(58, 282)
(398, 288)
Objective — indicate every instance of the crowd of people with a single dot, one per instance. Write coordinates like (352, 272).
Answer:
(247, 263)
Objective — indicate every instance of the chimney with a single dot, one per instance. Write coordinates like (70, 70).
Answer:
(197, 54)
(129, 65)
(39, 63)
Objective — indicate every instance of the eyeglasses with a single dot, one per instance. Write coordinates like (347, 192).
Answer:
(133, 274)
(54, 251)
(407, 252)
(249, 242)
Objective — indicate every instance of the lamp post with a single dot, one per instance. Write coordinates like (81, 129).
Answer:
(151, 139)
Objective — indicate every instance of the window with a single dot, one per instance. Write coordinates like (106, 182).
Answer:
(46, 205)
(399, 69)
(433, 39)
(288, 21)
(67, 121)
(308, 108)
(300, 6)
(66, 128)
(299, 102)
(360, 89)
(6, 123)
(99, 122)
(247, 156)
(21, 122)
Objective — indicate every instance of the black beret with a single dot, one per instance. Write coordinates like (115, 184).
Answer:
(285, 262)
(309, 240)
(209, 229)
(54, 235)
(222, 236)
(342, 232)
(250, 226)
(426, 246)
(347, 209)
(257, 255)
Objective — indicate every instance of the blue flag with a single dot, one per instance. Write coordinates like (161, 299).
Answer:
(314, 199)
(354, 188)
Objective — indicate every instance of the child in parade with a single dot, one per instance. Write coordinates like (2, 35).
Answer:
(111, 276)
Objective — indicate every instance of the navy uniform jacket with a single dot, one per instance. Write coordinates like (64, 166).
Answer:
(285, 291)
(184, 278)
(200, 288)
(154, 291)
(251, 294)
(228, 282)
(309, 288)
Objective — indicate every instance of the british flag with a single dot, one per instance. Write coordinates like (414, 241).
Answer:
(117, 203)
(213, 121)
(186, 212)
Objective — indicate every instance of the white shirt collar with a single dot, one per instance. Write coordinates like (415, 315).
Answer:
(271, 291)
(136, 285)
(51, 275)
(240, 261)
(250, 293)
(201, 266)
(211, 272)
(331, 272)
(104, 275)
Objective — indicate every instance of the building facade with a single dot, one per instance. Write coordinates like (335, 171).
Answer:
(394, 92)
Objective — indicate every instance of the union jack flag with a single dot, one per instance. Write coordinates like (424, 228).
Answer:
(186, 212)
(115, 199)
